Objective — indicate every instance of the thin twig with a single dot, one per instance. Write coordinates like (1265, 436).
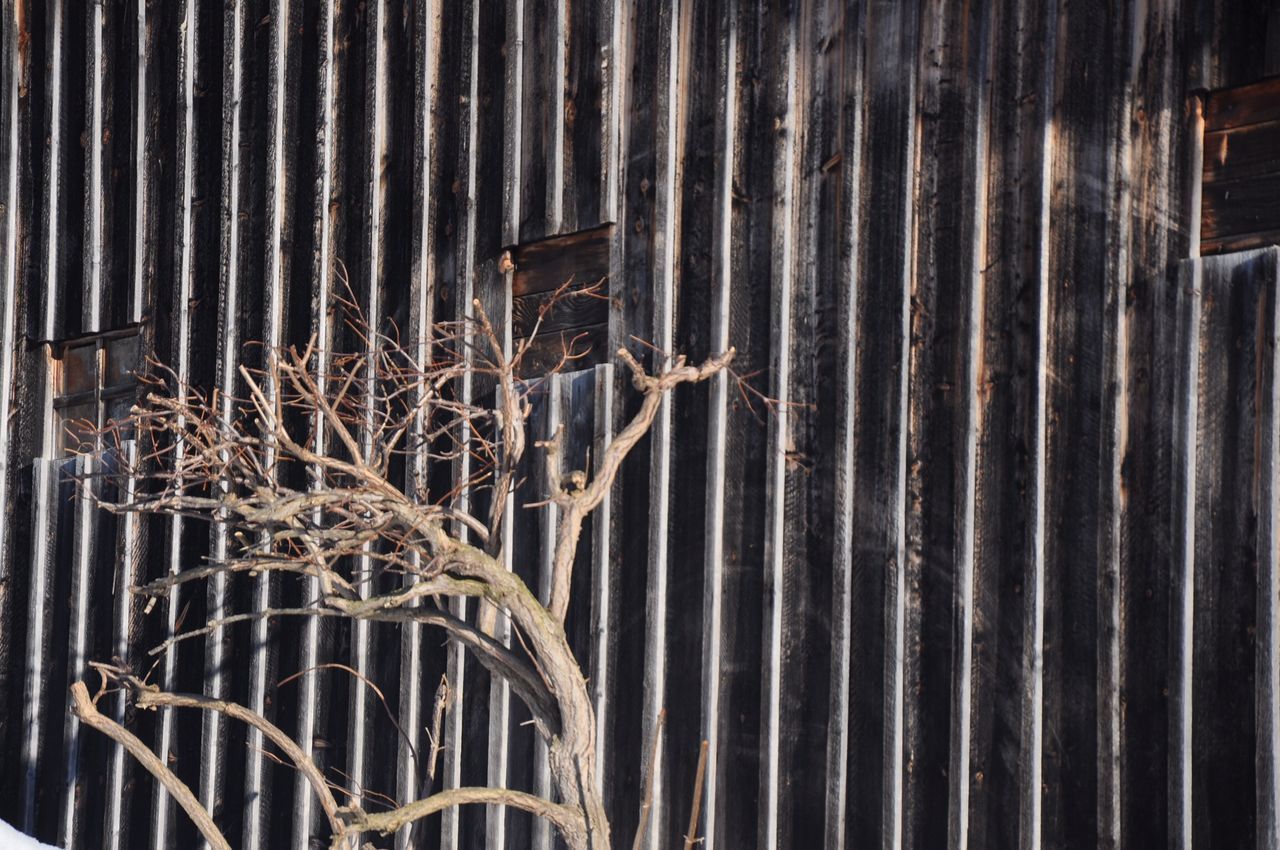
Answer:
(691, 836)
(647, 804)
(444, 696)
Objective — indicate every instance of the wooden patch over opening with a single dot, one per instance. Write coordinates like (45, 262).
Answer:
(1240, 202)
(560, 297)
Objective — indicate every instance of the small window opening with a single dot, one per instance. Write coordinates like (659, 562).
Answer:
(94, 383)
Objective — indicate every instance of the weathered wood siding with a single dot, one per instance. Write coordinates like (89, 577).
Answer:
(1000, 569)
(1241, 202)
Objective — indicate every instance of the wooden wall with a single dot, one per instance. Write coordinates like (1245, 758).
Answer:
(994, 574)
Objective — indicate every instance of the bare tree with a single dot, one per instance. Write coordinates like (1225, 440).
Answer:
(384, 409)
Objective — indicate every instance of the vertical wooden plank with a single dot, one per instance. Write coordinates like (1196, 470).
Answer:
(1081, 613)
(1267, 699)
(807, 331)
(312, 713)
(896, 602)
(184, 284)
(603, 675)
(672, 53)
(612, 123)
(426, 67)
(1185, 463)
(1147, 566)
(54, 266)
(71, 823)
(951, 236)
(281, 90)
(1114, 437)
(787, 131)
(498, 768)
(851, 123)
(98, 115)
(549, 520)
(1164, 167)
(1004, 577)
(372, 186)
(727, 142)
(16, 195)
(234, 220)
(487, 286)
(606, 523)
(557, 70)
(464, 293)
(877, 753)
(39, 616)
(586, 115)
(142, 259)
(634, 76)
(1032, 770)
(745, 185)
(701, 26)
(1224, 712)
(130, 562)
(12, 59)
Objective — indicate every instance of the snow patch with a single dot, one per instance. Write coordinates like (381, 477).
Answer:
(12, 839)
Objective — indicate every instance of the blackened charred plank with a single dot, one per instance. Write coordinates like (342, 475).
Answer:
(1240, 208)
(578, 348)
(1247, 152)
(1243, 105)
(574, 309)
(580, 258)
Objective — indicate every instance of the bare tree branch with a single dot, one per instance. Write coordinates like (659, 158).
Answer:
(320, 471)
(87, 710)
(582, 498)
(150, 697)
(566, 819)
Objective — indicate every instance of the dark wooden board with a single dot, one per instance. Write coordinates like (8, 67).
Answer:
(1250, 104)
(795, 179)
(588, 345)
(954, 107)
(1240, 242)
(574, 310)
(1251, 151)
(1224, 579)
(548, 264)
(1241, 207)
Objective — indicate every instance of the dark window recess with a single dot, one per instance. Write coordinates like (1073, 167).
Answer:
(1240, 202)
(94, 383)
(574, 323)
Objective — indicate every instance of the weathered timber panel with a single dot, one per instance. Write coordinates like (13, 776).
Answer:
(1241, 195)
(998, 570)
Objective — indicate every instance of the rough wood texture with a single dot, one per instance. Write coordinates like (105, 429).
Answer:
(1243, 105)
(547, 264)
(1228, 684)
(941, 597)
(1241, 196)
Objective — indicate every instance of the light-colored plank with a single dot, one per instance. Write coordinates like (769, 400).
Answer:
(234, 224)
(53, 184)
(311, 691)
(717, 417)
(372, 184)
(79, 643)
(96, 111)
(180, 357)
(35, 735)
